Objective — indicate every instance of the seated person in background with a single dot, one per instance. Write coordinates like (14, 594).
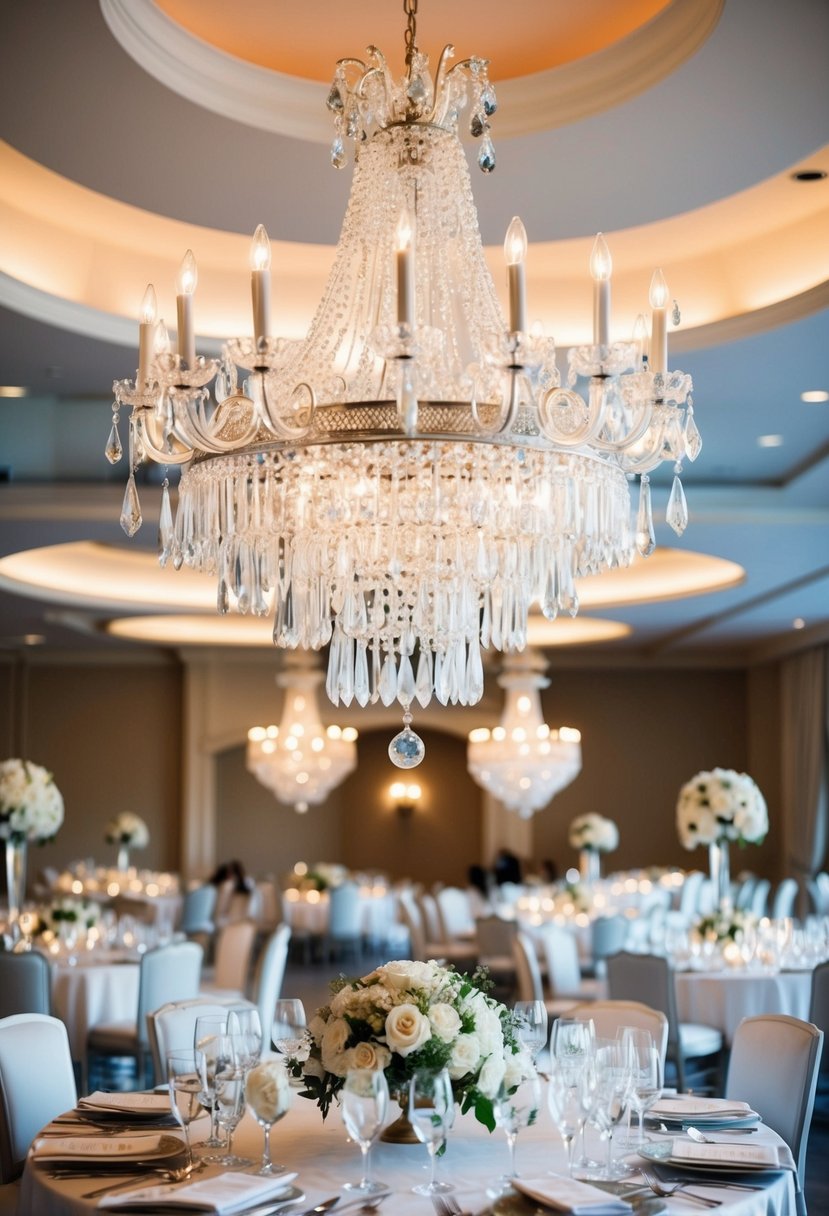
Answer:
(477, 878)
(507, 867)
(548, 870)
(231, 870)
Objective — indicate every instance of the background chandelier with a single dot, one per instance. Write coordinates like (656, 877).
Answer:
(522, 762)
(405, 481)
(301, 761)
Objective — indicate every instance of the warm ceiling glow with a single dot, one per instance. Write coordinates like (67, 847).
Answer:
(573, 631)
(769, 441)
(13, 390)
(815, 396)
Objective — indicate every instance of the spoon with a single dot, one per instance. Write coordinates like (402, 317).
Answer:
(697, 1135)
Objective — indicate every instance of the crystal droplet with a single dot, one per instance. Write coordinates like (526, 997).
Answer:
(406, 749)
(423, 684)
(131, 519)
(113, 450)
(416, 91)
(474, 674)
(333, 667)
(677, 512)
(645, 536)
(407, 405)
(477, 125)
(362, 688)
(222, 598)
(166, 533)
(489, 101)
(486, 156)
(338, 153)
(691, 435)
(405, 682)
(334, 100)
(676, 316)
(388, 681)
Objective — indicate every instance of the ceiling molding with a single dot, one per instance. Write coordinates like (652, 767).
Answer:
(290, 105)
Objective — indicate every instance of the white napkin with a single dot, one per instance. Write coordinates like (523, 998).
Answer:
(568, 1195)
(726, 1153)
(222, 1195)
(127, 1103)
(693, 1107)
(98, 1148)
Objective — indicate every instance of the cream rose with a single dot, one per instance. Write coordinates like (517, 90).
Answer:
(445, 1021)
(372, 1056)
(402, 974)
(332, 1048)
(268, 1091)
(407, 1029)
(466, 1053)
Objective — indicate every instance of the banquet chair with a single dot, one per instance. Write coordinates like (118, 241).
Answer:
(459, 953)
(270, 972)
(561, 955)
(607, 936)
(234, 948)
(494, 938)
(649, 978)
(819, 1014)
(170, 973)
(198, 912)
(25, 983)
(455, 914)
(37, 1082)
(608, 1016)
(344, 934)
(528, 982)
(774, 1067)
(745, 892)
(689, 895)
(172, 1026)
(430, 915)
(783, 903)
(760, 897)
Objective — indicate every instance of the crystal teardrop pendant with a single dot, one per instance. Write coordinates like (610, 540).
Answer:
(645, 536)
(388, 680)
(677, 512)
(338, 153)
(131, 518)
(691, 435)
(166, 533)
(486, 155)
(113, 450)
(406, 749)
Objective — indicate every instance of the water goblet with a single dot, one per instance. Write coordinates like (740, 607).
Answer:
(364, 1100)
(245, 1026)
(566, 1106)
(431, 1105)
(289, 1028)
(645, 1076)
(229, 1088)
(268, 1095)
(185, 1089)
(514, 1107)
(208, 1029)
(610, 1098)
(531, 1025)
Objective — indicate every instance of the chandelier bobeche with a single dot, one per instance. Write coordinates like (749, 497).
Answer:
(404, 482)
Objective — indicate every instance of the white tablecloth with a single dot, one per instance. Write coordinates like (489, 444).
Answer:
(377, 914)
(319, 1152)
(723, 998)
(91, 992)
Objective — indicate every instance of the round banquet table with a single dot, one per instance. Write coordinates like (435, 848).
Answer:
(377, 913)
(90, 991)
(723, 998)
(324, 1160)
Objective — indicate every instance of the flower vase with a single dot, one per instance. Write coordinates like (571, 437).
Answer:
(123, 862)
(718, 862)
(15, 877)
(401, 1130)
(590, 865)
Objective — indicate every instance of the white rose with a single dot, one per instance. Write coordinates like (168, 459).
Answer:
(332, 1047)
(373, 1056)
(466, 1052)
(518, 1065)
(268, 1091)
(491, 1075)
(445, 1021)
(403, 974)
(407, 1029)
(316, 1028)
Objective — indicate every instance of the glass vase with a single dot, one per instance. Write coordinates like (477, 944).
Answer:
(590, 865)
(718, 863)
(15, 877)
(123, 862)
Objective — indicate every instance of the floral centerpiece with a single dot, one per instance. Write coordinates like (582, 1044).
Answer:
(592, 835)
(128, 831)
(406, 1016)
(323, 875)
(82, 913)
(31, 809)
(715, 808)
(726, 924)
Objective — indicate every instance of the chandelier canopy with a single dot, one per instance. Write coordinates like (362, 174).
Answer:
(301, 761)
(404, 482)
(523, 762)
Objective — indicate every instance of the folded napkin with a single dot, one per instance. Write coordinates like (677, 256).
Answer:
(693, 1107)
(126, 1103)
(222, 1195)
(751, 1156)
(567, 1195)
(101, 1148)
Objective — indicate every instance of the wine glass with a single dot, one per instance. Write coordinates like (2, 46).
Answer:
(646, 1075)
(515, 1107)
(289, 1027)
(245, 1026)
(531, 1025)
(566, 1106)
(185, 1088)
(612, 1069)
(208, 1029)
(364, 1100)
(229, 1088)
(572, 1041)
(268, 1095)
(430, 1113)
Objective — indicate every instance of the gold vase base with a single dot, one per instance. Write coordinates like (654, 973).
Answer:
(399, 1132)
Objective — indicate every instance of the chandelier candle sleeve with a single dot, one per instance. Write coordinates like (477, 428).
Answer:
(185, 287)
(260, 285)
(404, 243)
(659, 323)
(515, 252)
(146, 335)
(601, 266)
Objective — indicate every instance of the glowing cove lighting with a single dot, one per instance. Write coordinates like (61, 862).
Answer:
(405, 481)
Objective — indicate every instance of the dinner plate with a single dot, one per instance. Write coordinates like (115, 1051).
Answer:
(662, 1154)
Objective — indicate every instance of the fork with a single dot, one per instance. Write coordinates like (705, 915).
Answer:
(447, 1205)
(665, 1192)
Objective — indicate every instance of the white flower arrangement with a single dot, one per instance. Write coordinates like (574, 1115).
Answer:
(325, 874)
(720, 806)
(594, 832)
(724, 925)
(127, 830)
(31, 806)
(81, 912)
(405, 1016)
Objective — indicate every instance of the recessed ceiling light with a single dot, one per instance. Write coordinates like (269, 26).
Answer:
(814, 396)
(769, 441)
(798, 623)
(809, 175)
(33, 639)
(13, 390)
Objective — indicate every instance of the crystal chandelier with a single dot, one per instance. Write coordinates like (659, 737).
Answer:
(301, 761)
(404, 482)
(522, 762)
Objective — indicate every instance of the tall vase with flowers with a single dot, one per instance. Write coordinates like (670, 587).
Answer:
(592, 835)
(31, 810)
(128, 831)
(715, 808)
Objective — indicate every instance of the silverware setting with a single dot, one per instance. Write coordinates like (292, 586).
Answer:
(447, 1205)
(678, 1188)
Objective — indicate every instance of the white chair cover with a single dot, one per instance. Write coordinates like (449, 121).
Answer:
(271, 972)
(455, 914)
(172, 1026)
(234, 947)
(25, 983)
(37, 1083)
(608, 1016)
(784, 897)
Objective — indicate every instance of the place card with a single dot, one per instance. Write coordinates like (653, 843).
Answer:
(126, 1103)
(104, 1148)
(568, 1195)
(693, 1107)
(751, 1156)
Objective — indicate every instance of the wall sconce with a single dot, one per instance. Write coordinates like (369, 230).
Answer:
(404, 797)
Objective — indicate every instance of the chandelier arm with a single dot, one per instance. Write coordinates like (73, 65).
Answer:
(194, 429)
(144, 422)
(279, 425)
(633, 436)
(507, 410)
(442, 72)
(575, 437)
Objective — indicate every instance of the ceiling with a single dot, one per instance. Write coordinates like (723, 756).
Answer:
(132, 130)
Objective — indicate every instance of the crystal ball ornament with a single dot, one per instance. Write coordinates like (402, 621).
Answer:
(407, 749)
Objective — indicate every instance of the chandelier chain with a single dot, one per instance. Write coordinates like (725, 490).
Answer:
(410, 9)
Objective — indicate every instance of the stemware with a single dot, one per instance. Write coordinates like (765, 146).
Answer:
(185, 1086)
(245, 1026)
(289, 1027)
(208, 1029)
(645, 1064)
(268, 1095)
(431, 1105)
(229, 1087)
(610, 1096)
(531, 1025)
(515, 1107)
(572, 1042)
(565, 1093)
(364, 1100)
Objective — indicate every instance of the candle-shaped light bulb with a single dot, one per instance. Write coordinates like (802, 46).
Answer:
(515, 253)
(404, 255)
(601, 267)
(146, 334)
(186, 280)
(658, 297)
(640, 338)
(260, 284)
(161, 339)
